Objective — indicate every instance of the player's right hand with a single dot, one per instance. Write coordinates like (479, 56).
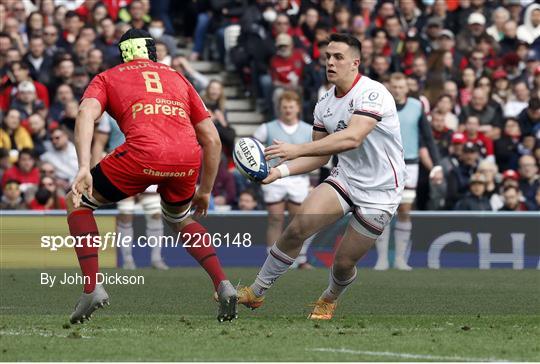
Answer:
(201, 201)
(81, 184)
(274, 175)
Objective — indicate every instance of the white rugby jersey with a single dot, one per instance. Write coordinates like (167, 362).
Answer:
(377, 164)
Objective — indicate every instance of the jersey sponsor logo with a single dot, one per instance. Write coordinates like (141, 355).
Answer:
(328, 113)
(340, 126)
(152, 172)
(351, 106)
(160, 107)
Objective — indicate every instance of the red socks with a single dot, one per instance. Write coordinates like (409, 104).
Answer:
(82, 223)
(205, 256)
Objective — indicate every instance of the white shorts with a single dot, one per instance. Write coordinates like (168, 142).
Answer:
(411, 181)
(371, 214)
(292, 189)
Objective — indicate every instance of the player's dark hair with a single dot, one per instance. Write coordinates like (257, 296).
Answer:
(348, 39)
(137, 34)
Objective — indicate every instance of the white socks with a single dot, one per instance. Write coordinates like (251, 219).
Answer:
(302, 256)
(402, 237)
(125, 229)
(336, 287)
(276, 264)
(154, 227)
(382, 249)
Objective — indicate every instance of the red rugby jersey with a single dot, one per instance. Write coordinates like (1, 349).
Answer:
(155, 107)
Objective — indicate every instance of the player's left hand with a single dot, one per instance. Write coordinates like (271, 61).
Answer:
(200, 202)
(81, 184)
(282, 150)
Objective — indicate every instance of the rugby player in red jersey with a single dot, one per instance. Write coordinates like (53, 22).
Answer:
(165, 124)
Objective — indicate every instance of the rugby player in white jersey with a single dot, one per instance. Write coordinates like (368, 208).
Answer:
(357, 120)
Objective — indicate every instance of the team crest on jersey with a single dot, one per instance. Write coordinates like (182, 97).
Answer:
(340, 126)
(351, 106)
(373, 96)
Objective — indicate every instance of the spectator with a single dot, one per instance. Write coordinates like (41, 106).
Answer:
(490, 171)
(224, 190)
(472, 134)
(182, 65)
(63, 73)
(529, 180)
(314, 82)
(535, 205)
(509, 41)
(11, 196)
(286, 67)
(516, 105)
(94, 62)
(475, 199)
(379, 68)
(64, 95)
(26, 101)
(506, 147)
(468, 79)
(20, 72)
(50, 39)
(55, 201)
(162, 53)
(42, 200)
(459, 176)
(530, 30)
(40, 136)
(40, 63)
(512, 200)
(501, 89)
(214, 99)
(79, 81)
(24, 171)
(529, 118)
(72, 26)
(157, 31)
(5, 163)
(62, 156)
(13, 136)
(247, 200)
(468, 38)
(107, 42)
(499, 17)
(490, 120)
(444, 106)
(441, 134)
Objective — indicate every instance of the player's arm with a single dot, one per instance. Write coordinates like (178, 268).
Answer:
(300, 165)
(208, 138)
(349, 138)
(89, 113)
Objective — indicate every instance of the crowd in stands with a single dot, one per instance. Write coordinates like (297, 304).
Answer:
(474, 65)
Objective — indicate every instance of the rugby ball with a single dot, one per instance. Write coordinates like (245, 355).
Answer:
(248, 156)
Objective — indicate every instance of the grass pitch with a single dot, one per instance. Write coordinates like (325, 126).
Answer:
(456, 315)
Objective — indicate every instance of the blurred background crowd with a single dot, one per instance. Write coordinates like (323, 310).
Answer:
(474, 65)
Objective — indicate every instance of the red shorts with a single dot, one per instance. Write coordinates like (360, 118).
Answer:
(120, 175)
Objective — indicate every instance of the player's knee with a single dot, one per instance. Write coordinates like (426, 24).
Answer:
(298, 230)
(175, 216)
(276, 219)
